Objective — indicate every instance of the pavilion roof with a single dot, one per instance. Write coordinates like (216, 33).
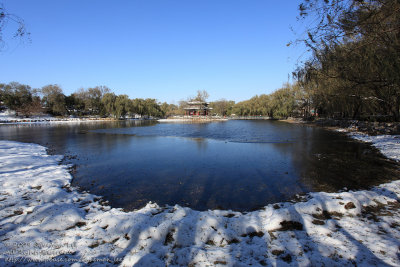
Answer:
(197, 103)
(198, 107)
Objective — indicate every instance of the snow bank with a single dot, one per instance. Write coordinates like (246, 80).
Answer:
(43, 219)
(8, 117)
(194, 119)
(389, 145)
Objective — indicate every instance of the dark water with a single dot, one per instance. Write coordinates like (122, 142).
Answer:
(239, 165)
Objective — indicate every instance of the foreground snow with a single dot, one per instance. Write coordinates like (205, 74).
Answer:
(42, 219)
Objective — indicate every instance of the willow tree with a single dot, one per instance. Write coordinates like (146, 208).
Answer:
(108, 101)
(91, 98)
(122, 106)
(356, 55)
(222, 107)
(53, 99)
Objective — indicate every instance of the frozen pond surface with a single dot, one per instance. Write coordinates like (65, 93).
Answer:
(239, 165)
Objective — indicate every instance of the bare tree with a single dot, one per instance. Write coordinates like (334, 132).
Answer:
(6, 19)
(202, 96)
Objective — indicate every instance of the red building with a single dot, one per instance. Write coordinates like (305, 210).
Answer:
(197, 108)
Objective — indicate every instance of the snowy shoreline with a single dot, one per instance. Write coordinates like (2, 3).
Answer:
(7, 118)
(43, 219)
(51, 120)
(189, 119)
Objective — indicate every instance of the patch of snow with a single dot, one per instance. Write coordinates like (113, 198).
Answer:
(389, 145)
(9, 117)
(44, 219)
(194, 119)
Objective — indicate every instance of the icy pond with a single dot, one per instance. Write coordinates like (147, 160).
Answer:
(238, 165)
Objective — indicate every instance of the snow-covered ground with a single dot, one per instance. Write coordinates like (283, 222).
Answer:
(43, 219)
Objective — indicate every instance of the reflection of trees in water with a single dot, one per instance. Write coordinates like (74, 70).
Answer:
(317, 161)
(62, 137)
(201, 143)
(204, 173)
(327, 161)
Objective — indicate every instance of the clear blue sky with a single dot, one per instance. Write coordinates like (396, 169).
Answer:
(163, 49)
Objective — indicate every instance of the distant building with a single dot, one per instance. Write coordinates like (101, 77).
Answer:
(197, 108)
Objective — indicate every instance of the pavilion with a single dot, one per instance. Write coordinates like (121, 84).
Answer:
(197, 108)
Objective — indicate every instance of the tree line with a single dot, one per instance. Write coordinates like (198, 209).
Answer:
(289, 101)
(95, 101)
(100, 101)
(354, 69)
